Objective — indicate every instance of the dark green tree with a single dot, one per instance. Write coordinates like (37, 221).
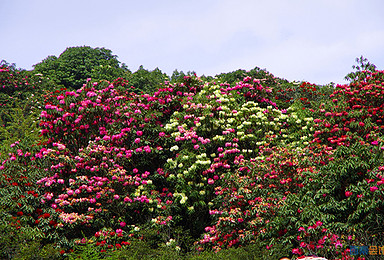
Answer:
(362, 69)
(147, 81)
(72, 68)
(178, 76)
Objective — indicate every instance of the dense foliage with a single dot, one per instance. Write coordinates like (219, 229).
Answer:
(243, 160)
(76, 64)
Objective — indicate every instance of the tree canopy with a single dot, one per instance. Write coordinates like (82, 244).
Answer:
(147, 81)
(76, 64)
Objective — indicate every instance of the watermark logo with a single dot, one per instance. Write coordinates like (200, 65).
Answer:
(367, 250)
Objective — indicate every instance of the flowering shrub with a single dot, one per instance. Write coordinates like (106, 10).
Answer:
(106, 167)
(343, 193)
(13, 80)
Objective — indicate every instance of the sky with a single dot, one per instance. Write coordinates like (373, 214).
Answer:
(298, 40)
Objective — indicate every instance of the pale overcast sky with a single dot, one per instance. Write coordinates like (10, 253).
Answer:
(311, 40)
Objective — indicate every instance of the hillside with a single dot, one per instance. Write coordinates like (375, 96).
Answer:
(195, 167)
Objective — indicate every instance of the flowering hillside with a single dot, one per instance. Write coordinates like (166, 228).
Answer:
(198, 166)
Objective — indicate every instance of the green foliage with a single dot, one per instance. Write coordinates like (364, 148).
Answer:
(21, 99)
(76, 64)
(235, 76)
(144, 81)
(23, 242)
(362, 68)
(139, 249)
(18, 122)
(179, 76)
(87, 251)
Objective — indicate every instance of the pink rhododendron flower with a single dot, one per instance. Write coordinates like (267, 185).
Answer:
(297, 251)
(147, 149)
(373, 188)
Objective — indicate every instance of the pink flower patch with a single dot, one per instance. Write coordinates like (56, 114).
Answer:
(373, 188)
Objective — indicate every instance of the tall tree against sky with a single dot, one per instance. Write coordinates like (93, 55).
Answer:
(147, 81)
(76, 64)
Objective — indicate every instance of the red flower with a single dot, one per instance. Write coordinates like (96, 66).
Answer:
(46, 215)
